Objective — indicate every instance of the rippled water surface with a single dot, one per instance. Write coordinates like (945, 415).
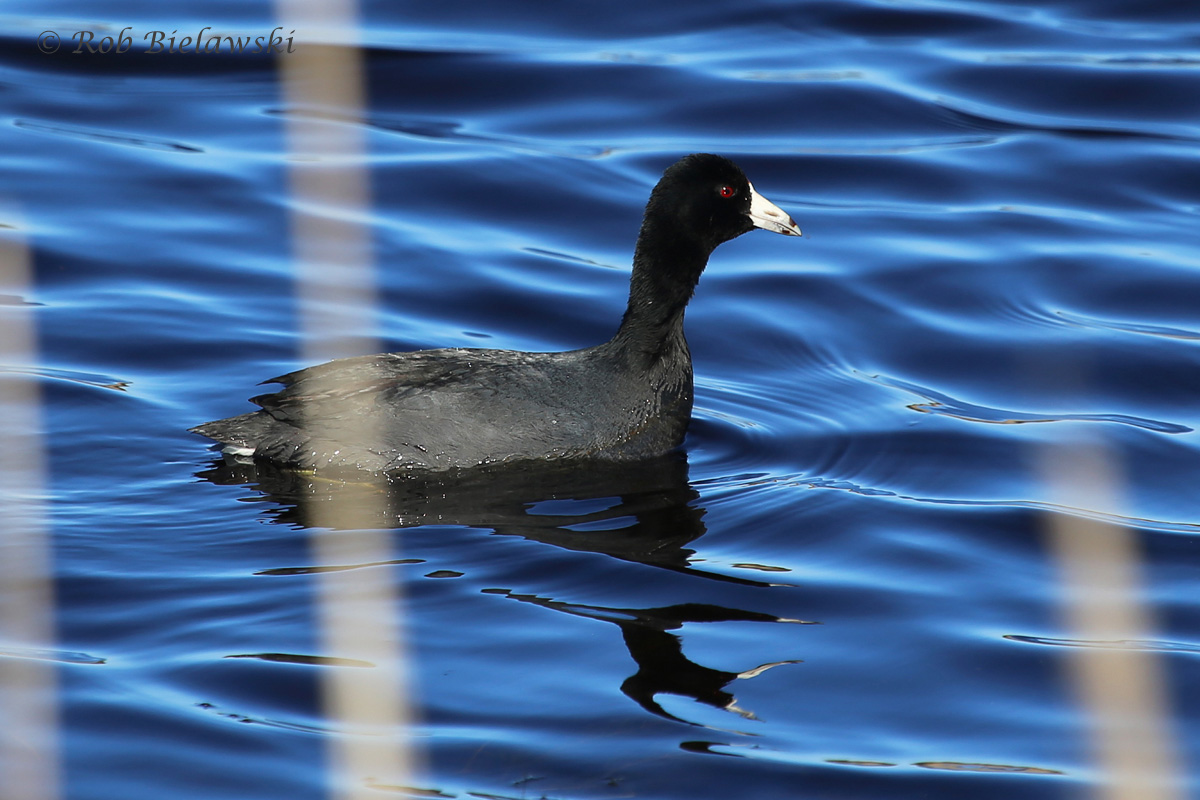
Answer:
(881, 566)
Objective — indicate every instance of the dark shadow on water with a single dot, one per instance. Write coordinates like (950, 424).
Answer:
(646, 513)
(663, 668)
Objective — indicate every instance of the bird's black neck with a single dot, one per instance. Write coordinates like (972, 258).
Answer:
(666, 267)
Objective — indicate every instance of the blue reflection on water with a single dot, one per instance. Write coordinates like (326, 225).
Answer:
(1000, 210)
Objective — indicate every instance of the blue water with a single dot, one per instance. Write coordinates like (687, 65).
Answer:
(999, 285)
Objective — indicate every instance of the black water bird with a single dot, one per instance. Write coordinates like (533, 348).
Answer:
(433, 410)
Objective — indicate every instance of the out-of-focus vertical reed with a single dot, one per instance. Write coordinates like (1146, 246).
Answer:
(359, 610)
(29, 750)
(1119, 685)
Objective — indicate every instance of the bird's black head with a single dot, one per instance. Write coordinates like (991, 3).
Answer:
(708, 198)
(701, 201)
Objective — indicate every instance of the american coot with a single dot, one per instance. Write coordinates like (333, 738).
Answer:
(628, 398)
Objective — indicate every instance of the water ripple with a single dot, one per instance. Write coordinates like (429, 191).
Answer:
(337, 567)
(270, 723)
(1139, 523)
(106, 137)
(14, 299)
(976, 115)
(61, 656)
(1129, 327)
(946, 405)
(766, 753)
(1136, 645)
(447, 131)
(72, 376)
(305, 659)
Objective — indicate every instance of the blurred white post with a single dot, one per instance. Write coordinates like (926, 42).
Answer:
(1120, 687)
(359, 610)
(29, 751)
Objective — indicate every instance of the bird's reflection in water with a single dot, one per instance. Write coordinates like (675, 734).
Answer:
(662, 666)
(645, 512)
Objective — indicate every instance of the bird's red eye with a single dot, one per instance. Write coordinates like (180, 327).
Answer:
(727, 191)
